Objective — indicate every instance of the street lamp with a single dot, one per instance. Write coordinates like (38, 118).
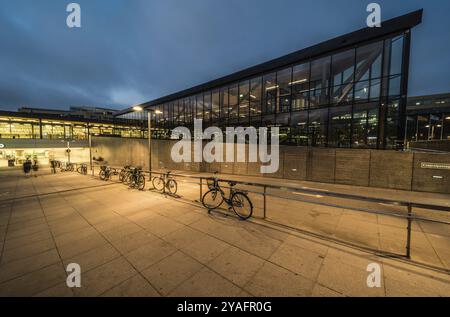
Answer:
(149, 112)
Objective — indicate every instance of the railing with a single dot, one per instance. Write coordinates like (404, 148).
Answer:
(408, 215)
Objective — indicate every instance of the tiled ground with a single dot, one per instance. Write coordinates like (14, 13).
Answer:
(131, 243)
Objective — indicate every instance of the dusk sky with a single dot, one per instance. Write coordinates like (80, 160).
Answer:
(132, 51)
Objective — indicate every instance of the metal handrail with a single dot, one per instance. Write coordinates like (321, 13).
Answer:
(401, 203)
(409, 216)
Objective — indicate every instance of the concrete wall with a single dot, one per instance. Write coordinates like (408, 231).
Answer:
(384, 169)
(40, 144)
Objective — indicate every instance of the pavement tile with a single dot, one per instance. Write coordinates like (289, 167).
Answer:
(133, 241)
(29, 264)
(298, 260)
(206, 283)
(236, 265)
(171, 272)
(274, 281)
(150, 254)
(28, 250)
(69, 250)
(105, 277)
(136, 286)
(60, 290)
(34, 283)
(93, 258)
(347, 279)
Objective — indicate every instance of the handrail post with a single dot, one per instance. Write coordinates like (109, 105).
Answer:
(265, 200)
(408, 237)
(201, 189)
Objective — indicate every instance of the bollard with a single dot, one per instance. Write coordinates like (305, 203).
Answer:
(408, 237)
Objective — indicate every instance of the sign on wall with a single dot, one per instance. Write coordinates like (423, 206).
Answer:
(435, 166)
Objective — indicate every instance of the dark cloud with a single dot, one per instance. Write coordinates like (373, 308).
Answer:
(131, 51)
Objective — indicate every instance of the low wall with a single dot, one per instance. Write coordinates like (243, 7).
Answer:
(370, 168)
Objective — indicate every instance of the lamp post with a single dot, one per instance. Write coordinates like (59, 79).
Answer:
(149, 133)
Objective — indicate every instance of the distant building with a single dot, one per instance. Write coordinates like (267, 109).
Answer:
(428, 118)
(348, 92)
(81, 112)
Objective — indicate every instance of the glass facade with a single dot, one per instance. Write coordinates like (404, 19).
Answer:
(12, 127)
(428, 118)
(351, 98)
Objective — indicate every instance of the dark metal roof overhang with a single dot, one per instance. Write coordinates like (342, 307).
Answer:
(391, 26)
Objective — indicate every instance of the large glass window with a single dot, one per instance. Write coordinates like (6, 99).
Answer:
(320, 80)
(368, 71)
(224, 104)
(365, 125)
(21, 130)
(343, 68)
(233, 103)
(199, 107)
(79, 132)
(181, 112)
(318, 126)
(192, 109)
(244, 101)
(215, 107)
(340, 126)
(396, 55)
(207, 106)
(255, 96)
(435, 127)
(5, 130)
(300, 87)
(270, 93)
(299, 128)
(284, 78)
(422, 128)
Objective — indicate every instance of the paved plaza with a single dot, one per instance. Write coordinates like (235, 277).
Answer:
(132, 243)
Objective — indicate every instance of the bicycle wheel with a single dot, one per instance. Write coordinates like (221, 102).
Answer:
(128, 179)
(158, 183)
(212, 199)
(141, 182)
(102, 175)
(122, 176)
(242, 205)
(172, 186)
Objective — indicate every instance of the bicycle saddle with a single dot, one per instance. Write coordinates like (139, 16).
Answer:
(232, 184)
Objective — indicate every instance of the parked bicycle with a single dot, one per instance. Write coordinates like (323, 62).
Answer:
(67, 167)
(106, 172)
(82, 169)
(165, 182)
(236, 200)
(135, 178)
(124, 172)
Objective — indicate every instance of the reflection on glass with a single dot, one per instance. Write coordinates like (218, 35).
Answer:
(215, 110)
(233, 96)
(270, 89)
(244, 101)
(284, 79)
(255, 96)
(318, 126)
(207, 106)
(300, 87)
(396, 55)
